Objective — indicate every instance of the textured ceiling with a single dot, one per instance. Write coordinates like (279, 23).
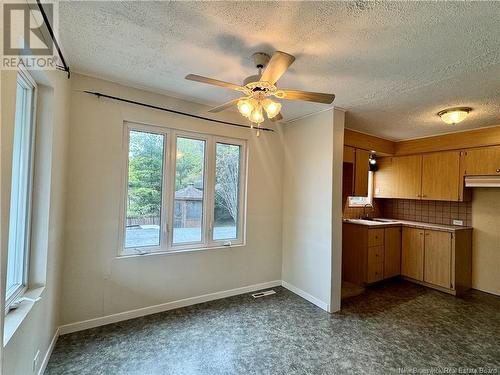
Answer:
(392, 65)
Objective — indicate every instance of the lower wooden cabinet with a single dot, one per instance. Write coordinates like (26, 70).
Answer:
(412, 253)
(438, 259)
(370, 254)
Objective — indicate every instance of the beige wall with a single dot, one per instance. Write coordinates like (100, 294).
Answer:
(38, 328)
(486, 240)
(96, 283)
(308, 217)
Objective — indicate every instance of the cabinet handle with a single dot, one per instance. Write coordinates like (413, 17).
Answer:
(418, 195)
(498, 170)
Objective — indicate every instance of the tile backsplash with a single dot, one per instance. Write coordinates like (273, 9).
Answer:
(435, 212)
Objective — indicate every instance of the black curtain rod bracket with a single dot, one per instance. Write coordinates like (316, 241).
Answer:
(100, 94)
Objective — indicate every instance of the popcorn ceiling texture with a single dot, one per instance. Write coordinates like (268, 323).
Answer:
(392, 65)
(435, 212)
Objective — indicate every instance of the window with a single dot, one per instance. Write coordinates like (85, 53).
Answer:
(20, 201)
(184, 190)
(363, 201)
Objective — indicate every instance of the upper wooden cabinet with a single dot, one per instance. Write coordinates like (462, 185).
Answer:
(407, 171)
(483, 161)
(434, 176)
(383, 181)
(441, 176)
(349, 154)
(361, 173)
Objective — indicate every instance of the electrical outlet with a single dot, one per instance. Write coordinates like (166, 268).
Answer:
(458, 222)
(35, 361)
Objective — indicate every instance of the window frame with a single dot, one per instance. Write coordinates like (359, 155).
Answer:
(168, 192)
(29, 84)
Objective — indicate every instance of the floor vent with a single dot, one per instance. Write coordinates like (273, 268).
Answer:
(263, 294)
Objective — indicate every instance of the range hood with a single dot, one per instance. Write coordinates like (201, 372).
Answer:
(482, 181)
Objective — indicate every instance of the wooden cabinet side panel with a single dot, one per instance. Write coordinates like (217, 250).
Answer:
(441, 176)
(392, 252)
(437, 265)
(462, 260)
(348, 154)
(354, 247)
(412, 253)
(361, 173)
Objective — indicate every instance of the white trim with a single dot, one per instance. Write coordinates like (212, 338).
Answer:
(131, 314)
(323, 305)
(49, 352)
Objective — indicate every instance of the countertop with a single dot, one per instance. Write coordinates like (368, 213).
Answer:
(406, 223)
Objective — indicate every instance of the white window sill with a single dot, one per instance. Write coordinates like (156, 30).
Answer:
(125, 255)
(15, 318)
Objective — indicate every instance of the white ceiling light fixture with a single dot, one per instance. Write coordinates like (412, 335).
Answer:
(454, 115)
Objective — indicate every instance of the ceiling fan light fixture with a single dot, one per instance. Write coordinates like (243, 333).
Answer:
(455, 115)
(245, 106)
(272, 108)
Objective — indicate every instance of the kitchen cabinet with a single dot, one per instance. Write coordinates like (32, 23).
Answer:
(361, 168)
(441, 176)
(437, 256)
(484, 161)
(407, 176)
(412, 253)
(355, 172)
(383, 179)
(367, 257)
(392, 252)
(433, 176)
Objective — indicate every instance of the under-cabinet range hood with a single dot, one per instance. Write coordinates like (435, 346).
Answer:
(482, 181)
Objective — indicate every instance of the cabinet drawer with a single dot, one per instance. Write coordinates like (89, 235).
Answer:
(375, 272)
(375, 254)
(375, 237)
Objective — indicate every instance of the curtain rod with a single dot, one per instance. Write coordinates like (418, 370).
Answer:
(99, 94)
(65, 66)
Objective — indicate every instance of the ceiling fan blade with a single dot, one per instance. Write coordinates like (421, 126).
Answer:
(215, 82)
(317, 97)
(278, 117)
(279, 63)
(224, 106)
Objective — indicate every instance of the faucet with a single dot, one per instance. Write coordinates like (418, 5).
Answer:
(365, 215)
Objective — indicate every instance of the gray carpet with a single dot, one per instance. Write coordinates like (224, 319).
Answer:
(394, 327)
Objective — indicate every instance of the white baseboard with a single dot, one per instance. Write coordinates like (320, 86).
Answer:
(114, 318)
(323, 305)
(49, 352)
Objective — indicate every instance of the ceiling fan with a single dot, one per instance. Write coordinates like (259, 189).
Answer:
(257, 89)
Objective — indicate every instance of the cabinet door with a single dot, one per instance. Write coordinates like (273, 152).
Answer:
(441, 176)
(348, 154)
(383, 179)
(407, 176)
(482, 161)
(361, 173)
(437, 267)
(412, 253)
(392, 252)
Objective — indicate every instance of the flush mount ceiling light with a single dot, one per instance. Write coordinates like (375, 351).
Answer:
(258, 89)
(455, 115)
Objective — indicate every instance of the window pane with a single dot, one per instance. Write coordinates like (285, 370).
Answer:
(227, 191)
(189, 184)
(144, 198)
(20, 190)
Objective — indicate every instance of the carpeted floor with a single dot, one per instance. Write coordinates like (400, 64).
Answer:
(393, 328)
